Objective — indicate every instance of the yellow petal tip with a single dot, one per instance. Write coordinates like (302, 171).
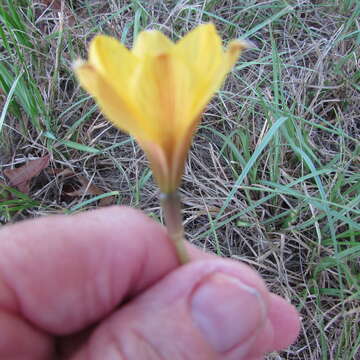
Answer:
(151, 42)
(240, 45)
(78, 63)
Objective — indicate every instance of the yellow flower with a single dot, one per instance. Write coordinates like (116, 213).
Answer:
(157, 90)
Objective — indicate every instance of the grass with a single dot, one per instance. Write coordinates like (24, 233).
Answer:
(273, 176)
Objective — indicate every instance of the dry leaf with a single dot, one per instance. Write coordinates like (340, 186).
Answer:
(86, 188)
(58, 172)
(21, 177)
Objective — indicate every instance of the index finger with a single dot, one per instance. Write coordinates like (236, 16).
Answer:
(63, 273)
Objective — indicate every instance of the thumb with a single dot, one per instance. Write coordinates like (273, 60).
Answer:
(208, 309)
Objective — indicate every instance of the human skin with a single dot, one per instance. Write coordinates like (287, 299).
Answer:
(105, 284)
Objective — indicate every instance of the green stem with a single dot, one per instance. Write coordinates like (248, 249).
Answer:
(171, 206)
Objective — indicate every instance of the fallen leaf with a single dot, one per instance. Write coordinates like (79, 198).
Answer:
(58, 172)
(86, 188)
(21, 177)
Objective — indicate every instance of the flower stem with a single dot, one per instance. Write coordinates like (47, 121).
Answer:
(170, 203)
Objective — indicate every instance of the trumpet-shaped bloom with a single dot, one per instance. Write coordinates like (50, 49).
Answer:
(157, 90)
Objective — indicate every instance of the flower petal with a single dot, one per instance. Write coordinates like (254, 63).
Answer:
(162, 90)
(120, 113)
(202, 48)
(234, 50)
(208, 61)
(159, 164)
(113, 61)
(151, 43)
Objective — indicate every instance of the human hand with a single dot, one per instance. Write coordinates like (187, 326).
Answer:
(105, 285)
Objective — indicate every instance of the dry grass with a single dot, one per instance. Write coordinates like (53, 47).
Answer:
(273, 176)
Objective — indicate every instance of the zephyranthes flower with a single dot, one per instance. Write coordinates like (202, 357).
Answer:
(157, 90)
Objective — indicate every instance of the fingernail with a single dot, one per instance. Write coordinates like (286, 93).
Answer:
(227, 311)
